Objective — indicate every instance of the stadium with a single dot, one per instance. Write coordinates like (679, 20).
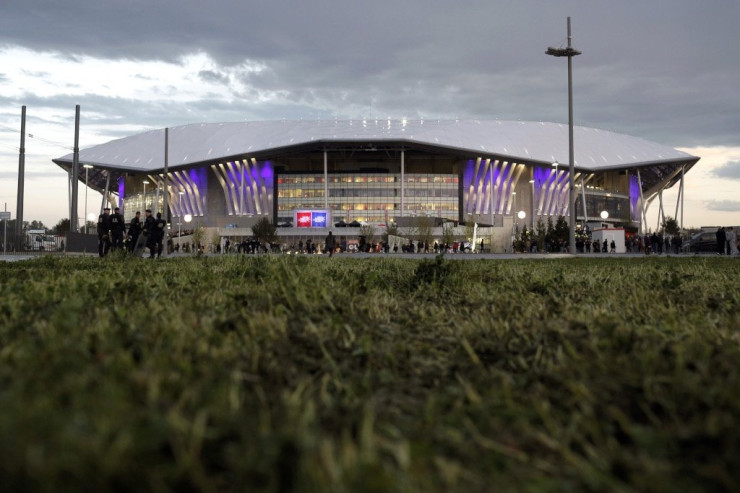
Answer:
(309, 176)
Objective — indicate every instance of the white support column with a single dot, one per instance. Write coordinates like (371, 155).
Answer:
(682, 194)
(326, 180)
(583, 198)
(105, 191)
(678, 201)
(493, 195)
(642, 204)
(242, 166)
(661, 212)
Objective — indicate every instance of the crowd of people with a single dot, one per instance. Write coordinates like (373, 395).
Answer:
(726, 241)
(149, 233)
(112, 233)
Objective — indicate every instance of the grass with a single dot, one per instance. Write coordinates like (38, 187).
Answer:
(314, 374)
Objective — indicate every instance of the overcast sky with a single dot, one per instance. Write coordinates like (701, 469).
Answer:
(667, 71)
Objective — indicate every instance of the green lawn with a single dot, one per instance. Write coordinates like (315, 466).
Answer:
(358, 375)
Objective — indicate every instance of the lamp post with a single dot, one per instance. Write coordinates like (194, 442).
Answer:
(188, 218)
(557, 194)
(87, 186)
(513, 219)
(146, 182)
(533, 209)
(179, 219)
(569, 52)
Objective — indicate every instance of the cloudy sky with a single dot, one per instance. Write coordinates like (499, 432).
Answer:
(667, 71)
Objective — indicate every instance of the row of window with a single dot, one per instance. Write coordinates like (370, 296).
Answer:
(354, 192)
(385, 178)
(424, 206)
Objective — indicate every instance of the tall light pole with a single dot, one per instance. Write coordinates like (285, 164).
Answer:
(569, 52)
(513, 219)
(557, 193)
(87, 186)
(533, 210)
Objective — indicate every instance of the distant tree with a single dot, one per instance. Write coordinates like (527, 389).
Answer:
(61, 227)
(391, 229)
(198, 236)
(215, 240)
(423, 229)
(562, 230)
(264, 230)
(38, 224)
(368, 231)
(670, 226)
(448, 233)
(469, 228)
(540, 232)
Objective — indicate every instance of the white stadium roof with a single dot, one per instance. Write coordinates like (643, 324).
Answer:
(518, 141)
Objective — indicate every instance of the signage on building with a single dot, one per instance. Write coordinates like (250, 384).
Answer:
(312, 218)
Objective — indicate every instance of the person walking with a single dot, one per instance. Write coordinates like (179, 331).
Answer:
(134, 231)
(731, 239)
(149, 231)
(160, 226)
(721, 239)
(330, 243)
(103, 230)
(117, 228)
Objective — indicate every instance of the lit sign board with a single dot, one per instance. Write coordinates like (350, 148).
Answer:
(312, 219)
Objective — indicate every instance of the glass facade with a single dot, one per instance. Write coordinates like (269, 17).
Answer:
(369, 197)
(618, 206)
(154, 201)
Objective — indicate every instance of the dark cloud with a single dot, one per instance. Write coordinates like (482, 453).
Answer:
(665, 73)
(730, 170)
(723, 205)
(211, 76)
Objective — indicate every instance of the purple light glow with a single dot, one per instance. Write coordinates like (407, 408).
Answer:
(634, 197)
(267, 173)
(121, 190)
(199, 176)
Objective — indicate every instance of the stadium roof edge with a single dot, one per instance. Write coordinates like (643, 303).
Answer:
(529, 142)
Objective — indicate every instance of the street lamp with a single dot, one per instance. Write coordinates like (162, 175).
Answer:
(569, 52)
(557, 194)
(604, 215)
(87, 186)
(179, 220)
(533, 209)
(188, 218)
(146, 182)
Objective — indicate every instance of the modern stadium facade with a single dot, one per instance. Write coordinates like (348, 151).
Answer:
(226, 175)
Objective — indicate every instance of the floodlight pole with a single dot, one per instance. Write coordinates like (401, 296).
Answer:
(21, 181)
(73, 224)
(87, 186)
(569, 52)
(166, 181)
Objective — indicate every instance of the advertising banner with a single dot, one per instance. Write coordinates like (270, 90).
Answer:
(303, 219)
(312, 218)
(318, 219)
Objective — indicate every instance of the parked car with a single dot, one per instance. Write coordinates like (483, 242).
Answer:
(701, 242)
